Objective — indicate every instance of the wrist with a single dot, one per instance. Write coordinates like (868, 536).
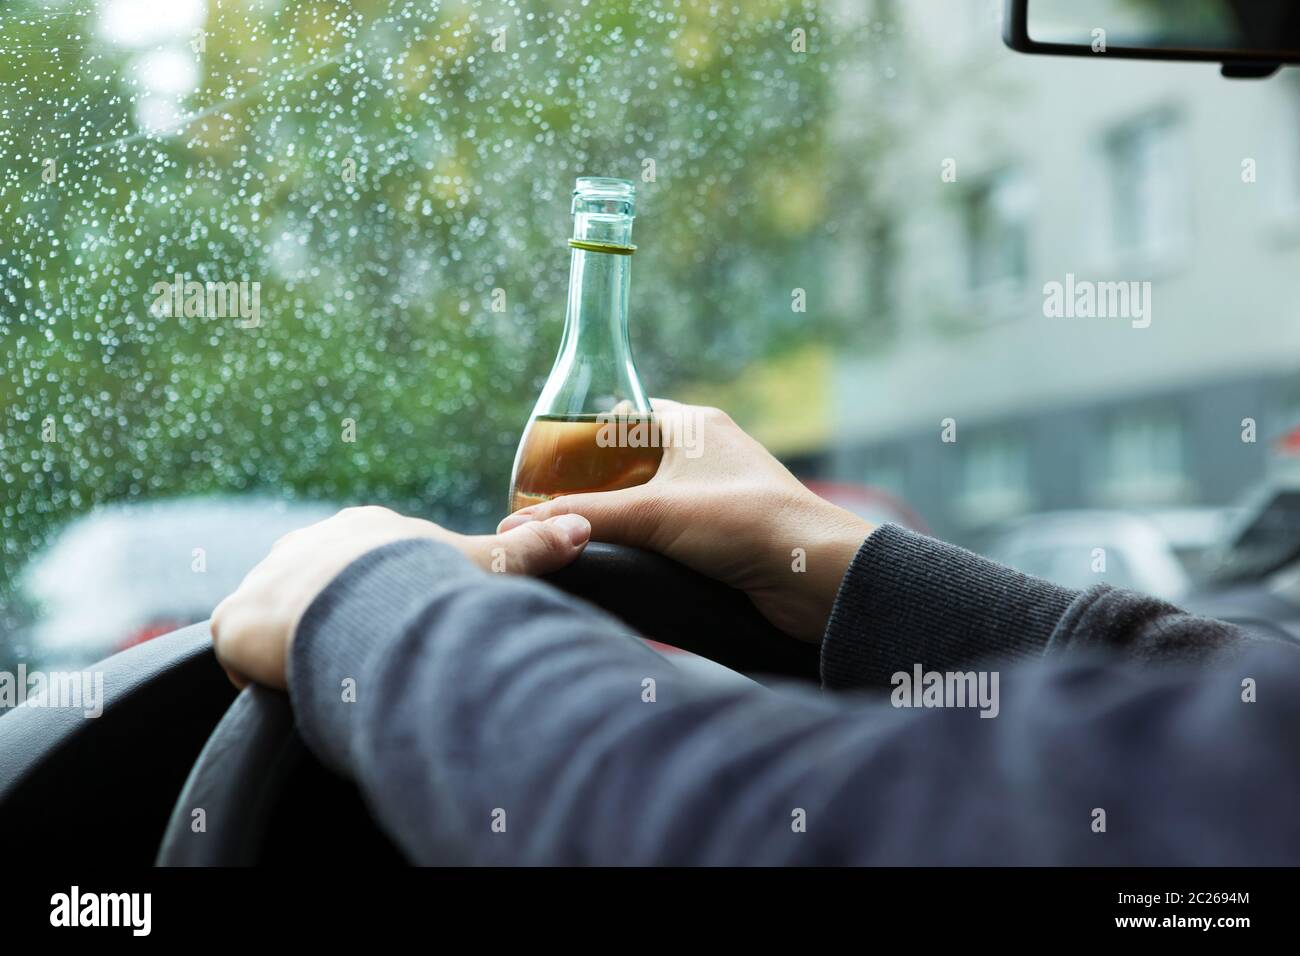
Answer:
(818, 542)
(844, 534)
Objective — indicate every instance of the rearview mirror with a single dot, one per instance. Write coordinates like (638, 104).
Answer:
(1251, 38)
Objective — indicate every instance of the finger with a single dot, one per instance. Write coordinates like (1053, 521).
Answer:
(608, 511)
(219, 646)
(539, 547)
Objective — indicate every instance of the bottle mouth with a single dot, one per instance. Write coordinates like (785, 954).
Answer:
(603, 196)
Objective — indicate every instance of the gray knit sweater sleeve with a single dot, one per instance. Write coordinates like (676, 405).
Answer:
(488, 718)
(908, 599)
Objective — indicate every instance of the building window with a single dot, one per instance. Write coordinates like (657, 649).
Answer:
(997, 232)
(1148, 187)
(1143, 458)
(994, 479)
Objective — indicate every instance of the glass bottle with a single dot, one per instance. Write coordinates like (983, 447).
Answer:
(589, 430)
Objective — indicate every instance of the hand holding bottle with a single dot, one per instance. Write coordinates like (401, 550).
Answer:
(732, 512)
(594, 375)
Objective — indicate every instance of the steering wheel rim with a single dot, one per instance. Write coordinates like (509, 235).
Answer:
(225, 810)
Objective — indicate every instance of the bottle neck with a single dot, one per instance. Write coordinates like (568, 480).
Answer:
(596, 319)
(594, 372)
(598, 281)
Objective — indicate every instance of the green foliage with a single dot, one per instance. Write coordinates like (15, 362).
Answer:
(375, 289)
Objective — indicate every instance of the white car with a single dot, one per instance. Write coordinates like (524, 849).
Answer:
(125, 573)
(1151, 553)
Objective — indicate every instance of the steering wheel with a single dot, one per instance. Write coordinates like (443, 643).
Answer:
(179, 770)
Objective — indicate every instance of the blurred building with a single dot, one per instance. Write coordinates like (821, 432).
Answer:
(1116, 171)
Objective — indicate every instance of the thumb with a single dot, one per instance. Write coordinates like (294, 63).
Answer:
(612, 514)
(539, 547)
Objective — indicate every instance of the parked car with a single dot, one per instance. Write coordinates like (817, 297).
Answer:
(1253, 572)
(126, 573)
(1154, 553)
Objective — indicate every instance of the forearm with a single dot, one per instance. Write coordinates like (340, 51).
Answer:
(484, 705)
(908, 599)
(497, 721)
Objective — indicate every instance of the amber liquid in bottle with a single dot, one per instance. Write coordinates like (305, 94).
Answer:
(592, 426)
(563, 455)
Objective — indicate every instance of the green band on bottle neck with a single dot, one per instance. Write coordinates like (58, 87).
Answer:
(610, 247)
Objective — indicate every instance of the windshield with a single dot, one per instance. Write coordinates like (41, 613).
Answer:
(264, 259)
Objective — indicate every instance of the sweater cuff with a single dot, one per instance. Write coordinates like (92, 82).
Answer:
(908, 599)
(347, 629)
